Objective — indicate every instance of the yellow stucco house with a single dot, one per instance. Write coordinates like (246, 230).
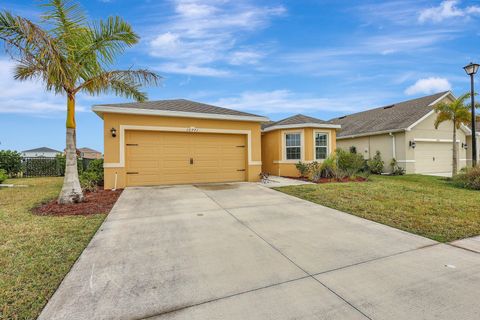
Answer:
(297, 138)
(178, 141)
(182, 142)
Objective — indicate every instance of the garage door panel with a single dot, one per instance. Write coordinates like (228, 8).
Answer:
(164, 158)
(433, 157)
(147, 164)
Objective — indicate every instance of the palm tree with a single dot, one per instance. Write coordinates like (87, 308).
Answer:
(71, 55)
(458, 113)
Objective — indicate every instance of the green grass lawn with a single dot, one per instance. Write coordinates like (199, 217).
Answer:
(427, 206)
(36, 252)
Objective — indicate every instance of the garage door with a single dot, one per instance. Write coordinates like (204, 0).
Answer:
(433, 157)
(154, 158)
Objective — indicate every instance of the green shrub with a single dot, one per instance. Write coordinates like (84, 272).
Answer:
(89, 181)
(3, 175)
(375, 165)
(396, 169)
(11, 162)
(313, 168)
(348, 163)
(96, 166)
(468, 178)
(328, 169)
(91, 178)
(302, 168)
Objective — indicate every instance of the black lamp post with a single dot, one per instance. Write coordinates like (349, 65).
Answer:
(471, 69)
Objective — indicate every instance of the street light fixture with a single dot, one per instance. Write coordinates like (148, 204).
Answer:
(471, 69)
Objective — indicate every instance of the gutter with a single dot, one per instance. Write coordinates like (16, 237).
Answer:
(371, 134)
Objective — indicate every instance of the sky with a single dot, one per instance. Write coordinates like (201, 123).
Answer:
(321, 58)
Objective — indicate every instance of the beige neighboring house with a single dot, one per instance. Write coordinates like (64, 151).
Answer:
(87, 153)
(405, 131)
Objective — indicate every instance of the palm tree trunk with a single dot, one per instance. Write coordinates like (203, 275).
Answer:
(71, 190)
(455, 161)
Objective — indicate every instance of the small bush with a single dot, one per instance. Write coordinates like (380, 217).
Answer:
(96, 166)
(396, 169)
(313, 168)
(349, 163)
(302, 168)
(328, 168)
(89, 181)
(3, 175)
(91, 178)
(11, 162)
(468, 178)
(375, 165)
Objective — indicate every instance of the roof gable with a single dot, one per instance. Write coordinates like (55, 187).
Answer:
(394, 117)
(43, 149)
(88, 150)
(297, 121)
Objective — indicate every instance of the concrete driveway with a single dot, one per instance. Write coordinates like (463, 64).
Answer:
(242, 251)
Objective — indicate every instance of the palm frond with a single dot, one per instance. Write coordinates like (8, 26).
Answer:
(66, 16)
(26, 70)
(442, 117)
(462, 98)
(30, 45)
(108, 39)
(122, 82)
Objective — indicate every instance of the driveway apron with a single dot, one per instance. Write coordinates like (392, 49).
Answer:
(243, 251)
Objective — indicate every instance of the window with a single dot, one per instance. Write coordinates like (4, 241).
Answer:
(321, 146)
(293, 146)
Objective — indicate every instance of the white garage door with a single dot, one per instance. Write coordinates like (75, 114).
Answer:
(433, 157)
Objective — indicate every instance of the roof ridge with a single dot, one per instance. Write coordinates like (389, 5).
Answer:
(178, 105)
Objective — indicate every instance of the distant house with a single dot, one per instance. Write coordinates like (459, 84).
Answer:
(87, 153)
(42, 152)
(405, 131)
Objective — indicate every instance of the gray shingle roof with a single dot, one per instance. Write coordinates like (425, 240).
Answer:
(393, 117)
(296, 119)
(87, 150)
(42, 149)
(180, 105)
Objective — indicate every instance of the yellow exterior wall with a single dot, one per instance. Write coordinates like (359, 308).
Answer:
(273, 161)
(112, 144)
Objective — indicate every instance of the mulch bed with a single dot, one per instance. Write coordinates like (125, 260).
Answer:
(101, 201)
(327, 180)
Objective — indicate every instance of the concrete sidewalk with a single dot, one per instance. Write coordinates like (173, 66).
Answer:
(243, 251)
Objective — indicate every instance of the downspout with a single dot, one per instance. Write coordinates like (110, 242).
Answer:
(394, 152)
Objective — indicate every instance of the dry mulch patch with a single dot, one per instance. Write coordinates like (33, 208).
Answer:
(100, 201)
(327, 180)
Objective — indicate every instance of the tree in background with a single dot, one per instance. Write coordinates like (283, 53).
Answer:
(71, 55)
(458, 113)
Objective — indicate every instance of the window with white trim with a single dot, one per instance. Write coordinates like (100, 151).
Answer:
(293, 146)
(321, 145)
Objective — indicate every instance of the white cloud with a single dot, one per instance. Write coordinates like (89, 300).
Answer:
(244, 57)
(446, 10)
(192, 70)
(428, 86)
(201, 33)
(284, 101)
(27, 97)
